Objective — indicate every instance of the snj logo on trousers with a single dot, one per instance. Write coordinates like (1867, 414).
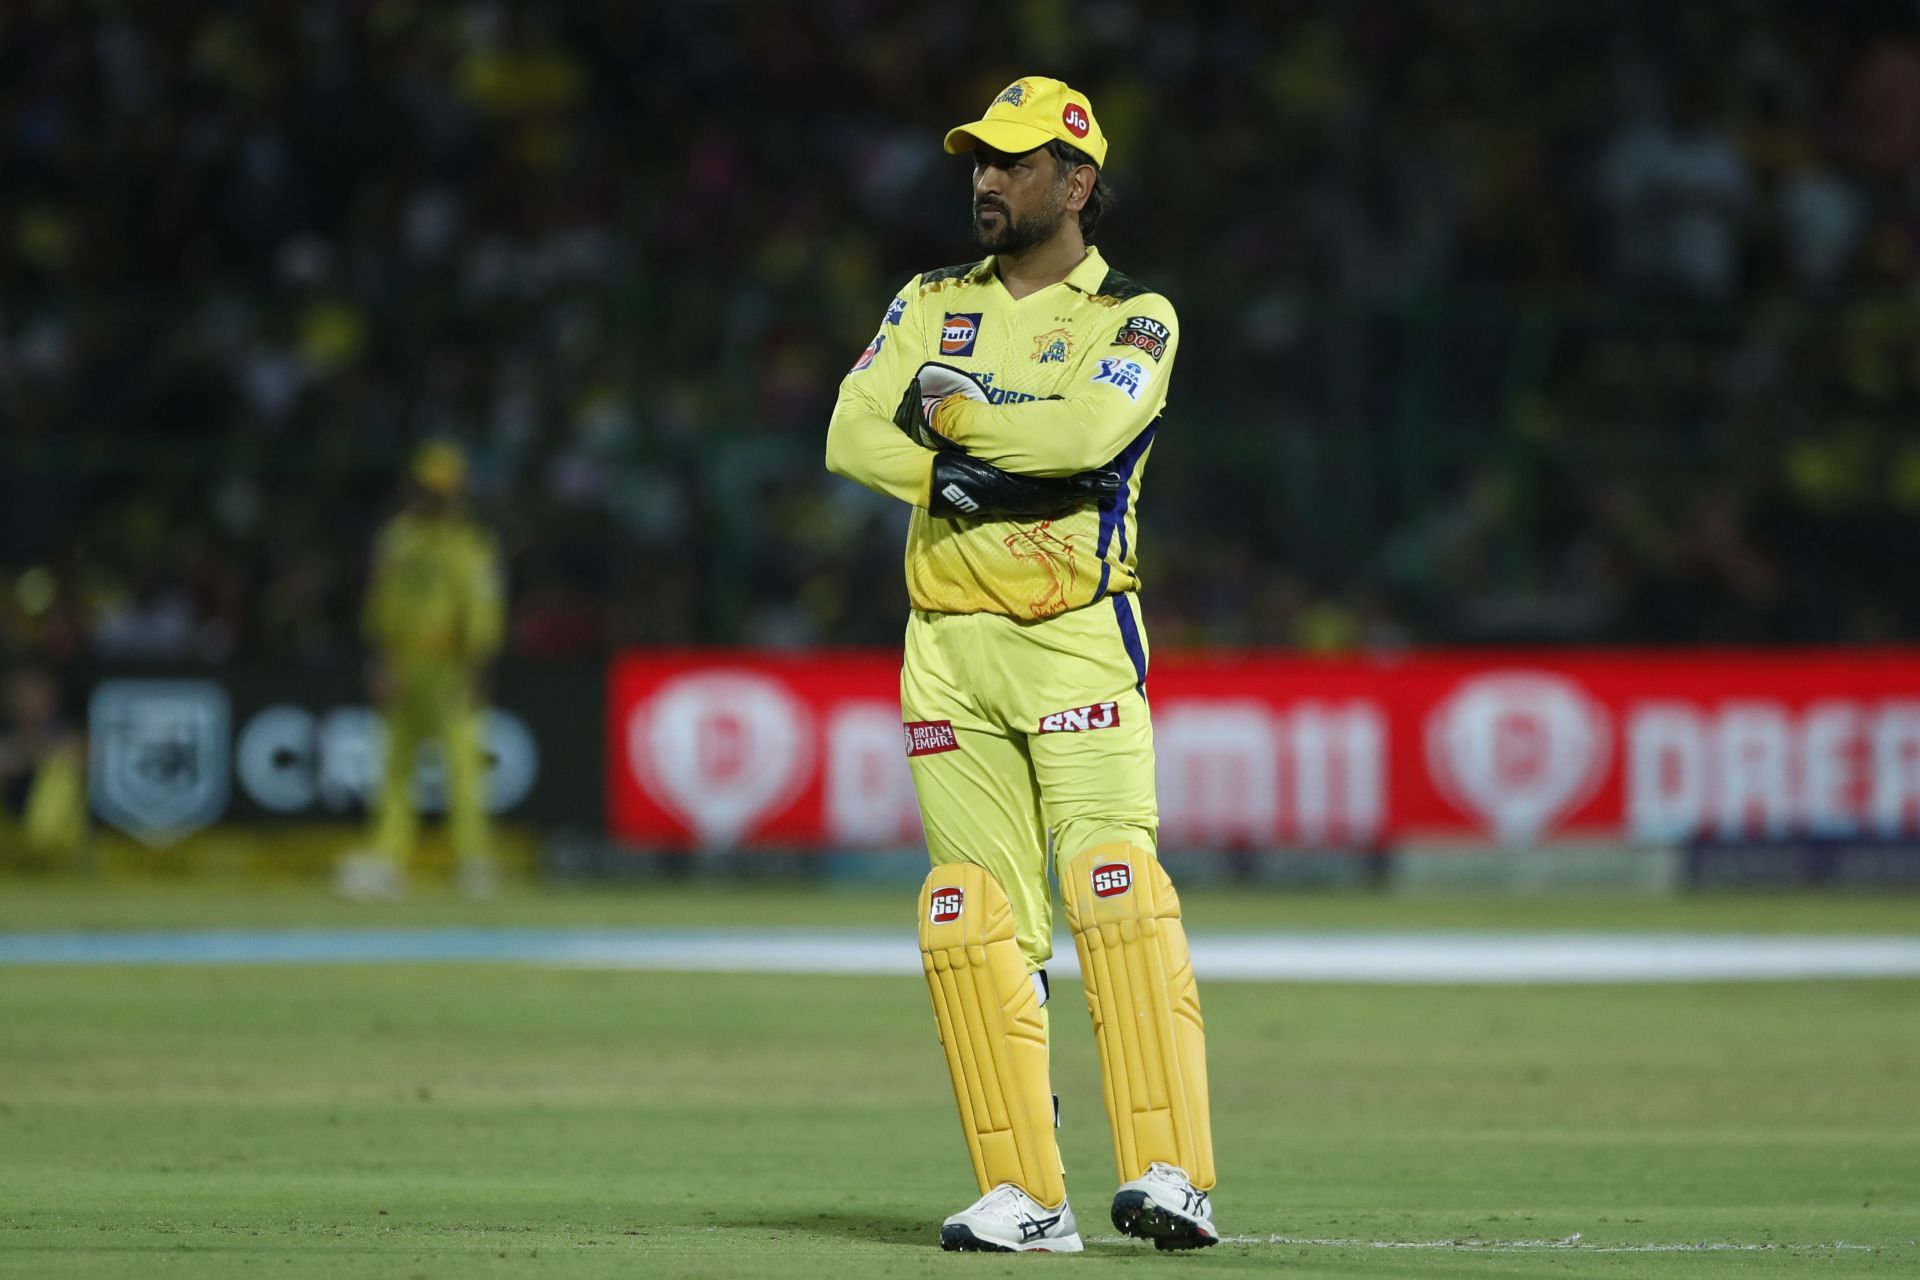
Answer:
(946, 904)
(960, 331)
(930, 737)
(1101, 715)
(1111, 879)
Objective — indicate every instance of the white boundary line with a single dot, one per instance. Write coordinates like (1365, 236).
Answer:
(1469, 1244)
(1567, 958)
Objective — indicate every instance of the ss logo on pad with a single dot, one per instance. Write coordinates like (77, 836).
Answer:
(1112, 879)
(946, 903)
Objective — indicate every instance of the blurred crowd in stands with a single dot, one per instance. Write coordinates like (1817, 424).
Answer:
(1503, 322)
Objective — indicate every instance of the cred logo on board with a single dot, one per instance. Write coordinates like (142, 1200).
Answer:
(1112, 879)
(946, 905)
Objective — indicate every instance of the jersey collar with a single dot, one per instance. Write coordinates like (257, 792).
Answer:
(1087, 277)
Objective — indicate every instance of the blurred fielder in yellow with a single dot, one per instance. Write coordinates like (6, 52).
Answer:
(1032, 381)
(434, 617)
(43, 791)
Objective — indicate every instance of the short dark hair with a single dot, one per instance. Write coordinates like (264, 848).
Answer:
(1099, 200)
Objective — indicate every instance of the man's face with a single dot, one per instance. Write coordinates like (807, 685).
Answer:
(1018, 201)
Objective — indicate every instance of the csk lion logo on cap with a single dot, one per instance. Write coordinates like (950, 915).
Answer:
(944, 908)
(1013, 95)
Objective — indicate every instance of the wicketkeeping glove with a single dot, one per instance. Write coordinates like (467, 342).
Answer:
(966, 488)
(927, 388)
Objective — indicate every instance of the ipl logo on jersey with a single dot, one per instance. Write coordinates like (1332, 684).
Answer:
(1129, 375)
(895, 309)
(959, 332)
(1053, 347)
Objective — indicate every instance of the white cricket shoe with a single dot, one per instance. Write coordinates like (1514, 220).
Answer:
(478, 878)
(1008, 1220)
(1165, 1207)
(368, 877)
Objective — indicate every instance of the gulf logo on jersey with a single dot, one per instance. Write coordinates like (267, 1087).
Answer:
(944, 907)
(1112, 879)
(959, 333)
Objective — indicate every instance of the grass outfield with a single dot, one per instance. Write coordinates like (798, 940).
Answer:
(463, 1120)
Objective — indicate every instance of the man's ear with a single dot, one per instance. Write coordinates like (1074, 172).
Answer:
(1080, 183)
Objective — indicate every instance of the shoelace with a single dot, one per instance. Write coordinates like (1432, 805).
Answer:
(1000, 1194)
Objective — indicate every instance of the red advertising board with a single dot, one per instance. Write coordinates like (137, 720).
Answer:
(1262, 751)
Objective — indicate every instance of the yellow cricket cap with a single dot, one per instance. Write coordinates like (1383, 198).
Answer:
(439, 465)
(1032, 112)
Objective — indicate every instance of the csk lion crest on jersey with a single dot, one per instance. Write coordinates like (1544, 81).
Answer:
(1053, 347)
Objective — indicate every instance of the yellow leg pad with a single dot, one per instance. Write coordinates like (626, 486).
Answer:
(1134, 964)
(993, 1029)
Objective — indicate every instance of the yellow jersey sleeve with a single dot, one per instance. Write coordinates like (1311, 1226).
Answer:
(863, 444)
(1115, 394)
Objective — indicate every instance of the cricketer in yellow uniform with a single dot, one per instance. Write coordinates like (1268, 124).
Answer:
(1023, 686)
(434, 617)
(43, 790)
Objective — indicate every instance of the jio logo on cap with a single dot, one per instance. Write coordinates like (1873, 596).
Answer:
(1075, 118)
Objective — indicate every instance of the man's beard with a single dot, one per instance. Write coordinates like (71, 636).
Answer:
(1015, 235)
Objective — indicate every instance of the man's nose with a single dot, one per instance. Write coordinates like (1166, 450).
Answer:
(989, 179)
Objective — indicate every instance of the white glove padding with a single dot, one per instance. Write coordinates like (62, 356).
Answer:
(938, 381)
(925, 390)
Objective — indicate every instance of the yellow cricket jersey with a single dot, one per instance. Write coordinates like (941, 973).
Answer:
(1075, 375)
(435, 594)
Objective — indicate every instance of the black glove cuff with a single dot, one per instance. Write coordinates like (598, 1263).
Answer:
(961, 486)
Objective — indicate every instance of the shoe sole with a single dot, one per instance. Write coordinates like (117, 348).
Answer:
(959, 1238)
(1135, 1214)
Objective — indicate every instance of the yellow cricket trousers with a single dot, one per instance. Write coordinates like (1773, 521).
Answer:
(1025, 735)
(432, 701)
